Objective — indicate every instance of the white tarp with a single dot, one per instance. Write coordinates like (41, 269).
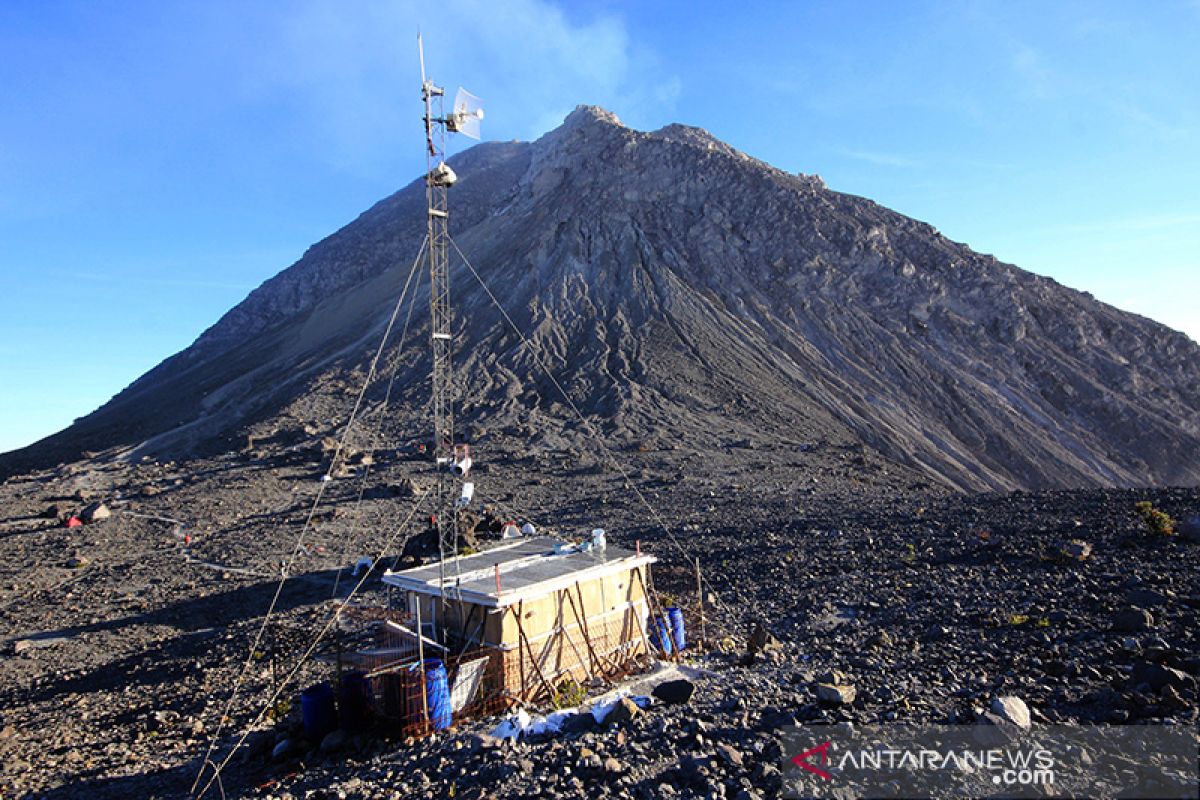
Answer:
(470, 673)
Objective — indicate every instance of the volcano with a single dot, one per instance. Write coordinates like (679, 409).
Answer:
(681, 290)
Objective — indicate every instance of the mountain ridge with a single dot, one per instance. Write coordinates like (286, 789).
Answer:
(667, 276)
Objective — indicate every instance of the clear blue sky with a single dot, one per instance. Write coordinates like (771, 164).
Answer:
(158, 160)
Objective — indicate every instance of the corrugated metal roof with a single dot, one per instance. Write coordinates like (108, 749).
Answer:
(527, 567)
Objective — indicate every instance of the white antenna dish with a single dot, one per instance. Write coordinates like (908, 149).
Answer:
(468, 111)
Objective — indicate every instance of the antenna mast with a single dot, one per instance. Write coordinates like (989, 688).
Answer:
(439, 177)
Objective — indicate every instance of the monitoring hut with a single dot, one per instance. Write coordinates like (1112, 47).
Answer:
(543, 612)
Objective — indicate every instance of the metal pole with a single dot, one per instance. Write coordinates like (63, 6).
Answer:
(421, 663)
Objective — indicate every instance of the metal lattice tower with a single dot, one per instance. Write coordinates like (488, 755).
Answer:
(437, 230)
(441, 318)
(439, 177)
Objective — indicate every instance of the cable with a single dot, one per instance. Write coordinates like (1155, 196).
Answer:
(587, 424)
(362, 484)
(305, 656)
(303, 531)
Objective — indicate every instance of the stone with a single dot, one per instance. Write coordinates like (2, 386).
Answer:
(588, 759)
(882, 639)
(1146, 598)
(477, 742)
(762, 641)
(579, 723)
(1189, 529)
(333, 741)
(283, 749)
(1157, 676)
(1012, 710)
(730, 754)
(676, 692)
(765, 772)
(1077, 549)
(1132, 620)
(613, 767)
(96, 512)
(836, 694)
(935, 633)
(623, 711)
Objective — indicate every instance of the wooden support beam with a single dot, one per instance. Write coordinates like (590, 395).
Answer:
(588, 666)
(536, 666)
(641, 627)
(421, 667)
(581, 619)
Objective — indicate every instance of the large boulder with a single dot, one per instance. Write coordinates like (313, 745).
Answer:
(1013, 711)
(1157, 676)
(832, 694)
(1132, 620)
(676, 692)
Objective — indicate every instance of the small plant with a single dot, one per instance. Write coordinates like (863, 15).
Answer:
(1157, 521)
(568, 694)
(279, 710)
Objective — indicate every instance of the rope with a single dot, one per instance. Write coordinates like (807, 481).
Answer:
(300, 537)
(362, 484)
(285, 682)
(591, 429)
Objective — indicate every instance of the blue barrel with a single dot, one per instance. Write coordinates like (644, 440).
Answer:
(675, 618)
(437, 694)
(354, 700)
(660, 637)
(318, 711)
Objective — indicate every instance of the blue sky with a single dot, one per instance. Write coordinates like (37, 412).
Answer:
(158, 160)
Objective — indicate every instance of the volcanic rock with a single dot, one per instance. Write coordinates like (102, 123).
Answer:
(96, 512)
(836, 694)
(1156, 676)
(1012, 710)
(1132, 620)
(622, 711)
(718, 297)
(762, 641)
(1078, 550)
(676, 692)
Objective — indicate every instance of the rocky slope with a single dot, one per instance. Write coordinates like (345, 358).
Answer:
(124, 637)
(683, 290)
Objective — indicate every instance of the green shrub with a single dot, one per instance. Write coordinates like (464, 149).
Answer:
(568, 694)
(1158, 522)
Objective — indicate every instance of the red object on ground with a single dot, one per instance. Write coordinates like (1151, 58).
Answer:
(74, 522)
(187, 538)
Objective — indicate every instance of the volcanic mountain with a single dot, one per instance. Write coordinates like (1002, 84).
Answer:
(683, 291)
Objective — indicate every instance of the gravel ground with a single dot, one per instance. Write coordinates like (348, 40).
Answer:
(123, 637)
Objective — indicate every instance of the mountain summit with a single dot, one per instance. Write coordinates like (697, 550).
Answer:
(683, 290)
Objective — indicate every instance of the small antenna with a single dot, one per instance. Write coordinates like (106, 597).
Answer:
(421, 53)
(468, 111)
